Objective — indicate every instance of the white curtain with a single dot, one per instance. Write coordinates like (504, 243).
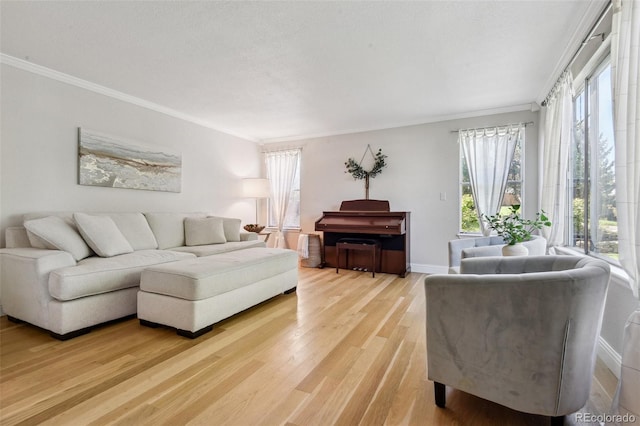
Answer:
(281, 171)
(556, 135)
(488, 153)
(625, 59)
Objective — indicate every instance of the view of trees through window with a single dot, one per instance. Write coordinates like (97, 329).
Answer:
(594, 221)
(513, 194)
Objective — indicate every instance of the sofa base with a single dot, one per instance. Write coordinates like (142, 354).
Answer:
(74, 333)
(149, 324)
(194, 334)
(86, 330)
(184, 333)
(204, 314)
(70, 335)
(57, 336)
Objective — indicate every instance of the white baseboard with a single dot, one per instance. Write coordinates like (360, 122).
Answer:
(429, 269)
(610, 357)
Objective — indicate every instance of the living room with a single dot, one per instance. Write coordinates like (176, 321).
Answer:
(48, 93)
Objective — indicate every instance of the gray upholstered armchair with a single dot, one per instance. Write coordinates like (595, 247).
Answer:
(518, 331)
(463, 248)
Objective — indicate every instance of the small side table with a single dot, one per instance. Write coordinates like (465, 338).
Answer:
(265, 234)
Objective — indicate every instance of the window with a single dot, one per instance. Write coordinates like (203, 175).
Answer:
(593, 219)
(292, 218)
(512, 195)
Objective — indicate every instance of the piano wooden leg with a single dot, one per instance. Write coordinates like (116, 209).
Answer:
(373, 266)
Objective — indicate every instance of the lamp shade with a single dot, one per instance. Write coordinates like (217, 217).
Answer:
(255, 188)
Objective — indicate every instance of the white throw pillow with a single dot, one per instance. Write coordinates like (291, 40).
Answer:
(136, 230)
(231, 228)
(168, 228)
(102, 235)
(54, 233)
(208, 230)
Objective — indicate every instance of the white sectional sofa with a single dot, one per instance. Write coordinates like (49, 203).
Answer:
(67, 272)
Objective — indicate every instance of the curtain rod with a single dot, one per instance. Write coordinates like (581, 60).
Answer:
(528, 123)
(590, 36)
(282, 149)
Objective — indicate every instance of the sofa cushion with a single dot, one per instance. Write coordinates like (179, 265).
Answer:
(96, 275)
(168, 228)
(201, 231)
(54, 233)
(102, 235)
(231, 228)
(207, 277)
(211, 249)
(136, 230)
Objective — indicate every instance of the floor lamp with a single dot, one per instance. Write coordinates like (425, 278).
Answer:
(255, 188)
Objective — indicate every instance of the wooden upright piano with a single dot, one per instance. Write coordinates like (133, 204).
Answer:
(371, 219)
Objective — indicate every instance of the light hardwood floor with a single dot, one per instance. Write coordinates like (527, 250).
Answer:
(345, 349)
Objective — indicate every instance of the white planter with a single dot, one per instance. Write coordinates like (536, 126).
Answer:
(517, 249)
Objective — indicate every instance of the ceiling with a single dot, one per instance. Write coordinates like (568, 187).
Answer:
(271, 71)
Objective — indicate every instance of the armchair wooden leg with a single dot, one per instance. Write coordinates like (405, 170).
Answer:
(557, 421)
(440, 392)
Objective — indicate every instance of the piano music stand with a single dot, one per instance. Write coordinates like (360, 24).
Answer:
(362, 244)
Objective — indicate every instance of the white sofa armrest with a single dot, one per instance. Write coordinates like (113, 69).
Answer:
(24, 277)
(248, 236)
(16, 236)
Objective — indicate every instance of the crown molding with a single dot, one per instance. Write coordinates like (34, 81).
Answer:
(96, 88)
(425, 120)
(595, 8)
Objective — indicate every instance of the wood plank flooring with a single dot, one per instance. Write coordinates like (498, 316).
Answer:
(346, 349)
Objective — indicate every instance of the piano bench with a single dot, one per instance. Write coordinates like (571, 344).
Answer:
(361, 244)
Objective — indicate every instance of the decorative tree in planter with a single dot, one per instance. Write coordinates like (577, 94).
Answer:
(358, 172)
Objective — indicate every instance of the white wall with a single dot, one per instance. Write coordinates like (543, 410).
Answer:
(423, 161)
(39, 149)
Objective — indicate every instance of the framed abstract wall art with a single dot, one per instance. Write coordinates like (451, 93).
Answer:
(114, 162)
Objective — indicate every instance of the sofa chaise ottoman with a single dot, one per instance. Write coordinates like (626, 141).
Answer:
(67, 272)
(192, 295)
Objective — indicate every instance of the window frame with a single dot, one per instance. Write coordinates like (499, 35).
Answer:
(591, 72)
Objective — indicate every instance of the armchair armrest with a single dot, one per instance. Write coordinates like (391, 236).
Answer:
(484, 251)
(455, 250)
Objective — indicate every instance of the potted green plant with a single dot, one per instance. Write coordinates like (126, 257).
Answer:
(514, 229)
